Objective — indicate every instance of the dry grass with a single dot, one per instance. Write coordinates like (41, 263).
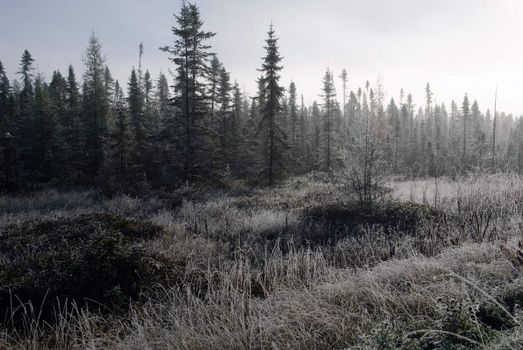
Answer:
(435, 288)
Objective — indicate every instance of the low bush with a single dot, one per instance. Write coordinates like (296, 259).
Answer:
(95, 260)
(339, 221)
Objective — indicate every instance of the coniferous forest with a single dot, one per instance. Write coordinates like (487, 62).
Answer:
(181, 211)
(200, 127)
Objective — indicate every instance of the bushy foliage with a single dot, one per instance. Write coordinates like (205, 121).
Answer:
(96, 259)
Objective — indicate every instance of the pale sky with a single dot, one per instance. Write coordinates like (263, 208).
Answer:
(458, 46)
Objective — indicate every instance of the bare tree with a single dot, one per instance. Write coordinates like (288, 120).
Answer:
(367, 169)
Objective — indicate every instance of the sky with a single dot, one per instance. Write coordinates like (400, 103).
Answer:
(458, 46)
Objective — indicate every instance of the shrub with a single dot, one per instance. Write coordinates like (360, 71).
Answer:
(96, 260)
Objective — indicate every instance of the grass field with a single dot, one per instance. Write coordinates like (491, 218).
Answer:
(438, 266)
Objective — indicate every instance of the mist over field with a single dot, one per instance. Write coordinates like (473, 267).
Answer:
(235, 175)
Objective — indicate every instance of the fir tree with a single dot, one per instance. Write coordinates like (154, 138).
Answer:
(270, 128)
(465, 110)
(95, 109)
(73, 129)
(136, 113)
(190, 54)
(329, 94)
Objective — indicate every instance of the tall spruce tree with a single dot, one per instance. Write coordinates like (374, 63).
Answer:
(74, 131)
(43, 156)
(293, 125)
(122, 140)
(329, 95)
(25, 141)
(465, 111)
(136, 112)
(192, 159)
(237, 142)
(7, 131)
(95, 108)
(223, 129)
(270, 128)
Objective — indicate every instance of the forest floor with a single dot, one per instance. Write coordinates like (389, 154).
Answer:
(437, 265)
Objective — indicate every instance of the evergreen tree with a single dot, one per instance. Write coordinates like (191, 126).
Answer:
(73, 130)
(214, 82)
(270, 128)
(136, 114)
(123, 146)
(237, 142)
(224, 100)
(192, 159)
(25, 141)
(465, 110)
(329, 95)
(57, 96)
(7, 131)
(293, 124)
(344, 79)
(95, 108)
(43, 156)
(165, 110)
(395, 128)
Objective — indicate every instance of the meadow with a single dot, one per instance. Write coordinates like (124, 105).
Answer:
(438, 264)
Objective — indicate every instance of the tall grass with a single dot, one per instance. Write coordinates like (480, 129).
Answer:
(375, 291)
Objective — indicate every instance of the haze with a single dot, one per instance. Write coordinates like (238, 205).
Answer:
(465, 46)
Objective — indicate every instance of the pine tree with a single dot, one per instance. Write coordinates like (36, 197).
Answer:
(192, 159)
(136, 113)
(270, 128)
(23, 132)
(465, 110)
(329, 95)
(316, 136)
(73, 130)
(344, 79)
(123, 146)
(237, 142)
(8, 148)
(165, 110)
(43, 156)
(214, 82)
(293, 124)
(395, 127)
(95, 109)
(223, 127)
(57, 96)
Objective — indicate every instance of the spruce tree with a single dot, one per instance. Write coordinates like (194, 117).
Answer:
(223, 127)
(24, 139)
(57, 96)
(214, 83)
(344, 78)
(7, 131)
(293, 125)
(192, 158)
(270, 128)
(136, 112)
(46, 148)
(73, 130)
(237, 142)
(329, 95)
(465, 110)
(123, 146)
(95, 108)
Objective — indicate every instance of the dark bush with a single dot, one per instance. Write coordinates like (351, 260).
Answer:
(96, 260)
(339, 221)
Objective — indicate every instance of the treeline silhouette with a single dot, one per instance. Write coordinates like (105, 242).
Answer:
(145, 133)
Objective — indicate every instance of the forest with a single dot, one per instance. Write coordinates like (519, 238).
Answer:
(181, 211)
(203, 128)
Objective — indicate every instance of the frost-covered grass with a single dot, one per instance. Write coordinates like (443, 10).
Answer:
(445, 286)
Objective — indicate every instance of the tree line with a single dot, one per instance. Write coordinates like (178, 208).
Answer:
(203, 128)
